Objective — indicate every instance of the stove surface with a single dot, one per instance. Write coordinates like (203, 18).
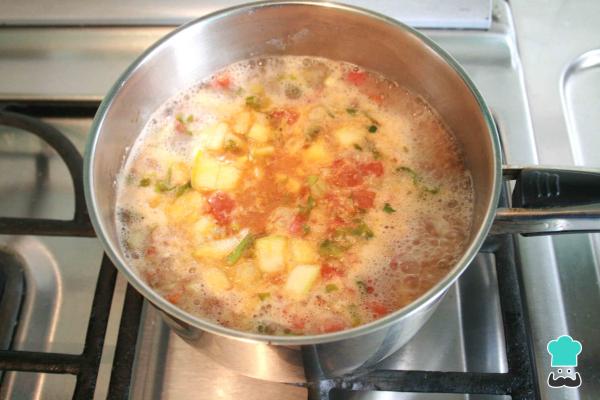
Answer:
(465, 333)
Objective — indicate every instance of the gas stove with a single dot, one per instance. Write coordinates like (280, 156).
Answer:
(74, 328)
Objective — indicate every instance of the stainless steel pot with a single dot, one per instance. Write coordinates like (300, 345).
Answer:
(338, 32)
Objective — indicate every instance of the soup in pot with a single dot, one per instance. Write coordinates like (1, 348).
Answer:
(292, 196)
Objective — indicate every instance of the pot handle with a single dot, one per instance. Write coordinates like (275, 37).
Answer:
(550, 200)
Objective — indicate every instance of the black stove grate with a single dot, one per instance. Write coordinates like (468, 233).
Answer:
(85, 365)
(518, 382)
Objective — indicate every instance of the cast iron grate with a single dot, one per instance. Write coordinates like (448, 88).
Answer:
(24, 115)
(518, 382)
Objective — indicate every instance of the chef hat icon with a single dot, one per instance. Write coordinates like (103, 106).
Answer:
(564, 351)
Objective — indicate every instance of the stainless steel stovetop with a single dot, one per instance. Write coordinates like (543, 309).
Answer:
(465, 334)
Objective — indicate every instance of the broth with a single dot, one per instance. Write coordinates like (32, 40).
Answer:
(294, 195)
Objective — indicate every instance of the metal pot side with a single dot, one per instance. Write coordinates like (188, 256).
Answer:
(323, 29)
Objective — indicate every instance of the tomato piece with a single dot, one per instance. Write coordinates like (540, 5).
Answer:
(288, 114)
(372, 168)
(173, 297)
(333, 326)
(292, 116)
(335, 223)
(180, 127)
(221, 206)
(328, 271)
(377, 308)
(297, 225)
(356, 77)
(363, 198)
(297, 322)
(377, 98)
(345, 174)
(277, 114)
(223, 81)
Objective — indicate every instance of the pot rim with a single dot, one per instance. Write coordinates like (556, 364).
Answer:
(433, 294)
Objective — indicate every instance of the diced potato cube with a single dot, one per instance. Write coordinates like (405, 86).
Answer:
(216, 249)
(303, 251)
(260, 132)
(211, 174)
(180, 173)
(349, 135)
(203, 227)
(263, 151)
(293, 185)
(213, 136)
(216, 280)
(246, 273)
(242, 122)
(270, 253)
(317, 153)
(301, 279)
(205, 172)
(186, 208)
(228, 177)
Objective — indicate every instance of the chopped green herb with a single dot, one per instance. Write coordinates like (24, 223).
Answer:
(372, 128)
(330, 287)
(357, 147)
(239, 250)
(305, 229)
(185, 121)
(162, 186)
(362, 287)
(351, 111)
(312, 179)
(231, 145)
(310, 204)
(415, 177)
(263, 296)
(354, 315)
(418, 180)
(329, 248)
(257, 102)
(362, 230)
(373, 149)
(388, 208)
(253, 102)
(165, 184)
(312, 132)
(317, 186)
(145, 182)
(370, 117)
(182, 189)
(263, 328)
